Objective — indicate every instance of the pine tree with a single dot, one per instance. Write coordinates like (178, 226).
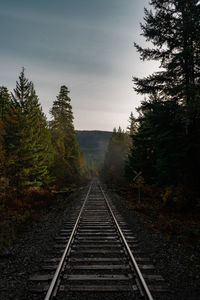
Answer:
(174, 29)
(67, 159)
(132, 128)
(158, 145)
(25, 143)
(41, 140)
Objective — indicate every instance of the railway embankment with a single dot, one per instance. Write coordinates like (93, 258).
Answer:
(29, 247)
(178, 266)
(178, 263)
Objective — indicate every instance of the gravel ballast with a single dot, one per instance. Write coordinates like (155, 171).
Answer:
(177, 265)
(28, 252)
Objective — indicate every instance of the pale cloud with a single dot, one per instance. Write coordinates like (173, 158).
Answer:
(90, 52)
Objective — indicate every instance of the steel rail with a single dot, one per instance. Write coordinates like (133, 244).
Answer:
(54, 281)
(139, 275)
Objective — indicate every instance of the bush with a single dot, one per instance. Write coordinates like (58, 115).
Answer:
(179, 197)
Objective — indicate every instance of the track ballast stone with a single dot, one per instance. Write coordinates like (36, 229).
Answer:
(28, 253)
(179, 265)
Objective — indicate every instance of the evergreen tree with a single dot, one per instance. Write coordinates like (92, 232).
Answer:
(4, 107)
(116, 155)
(158, 145)
(25, 143)
(167, 144)
(4, 102)
(174, 29)
(67, 160)
(2, 161)
(132, 128)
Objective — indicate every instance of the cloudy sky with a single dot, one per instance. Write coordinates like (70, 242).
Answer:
(84, 44)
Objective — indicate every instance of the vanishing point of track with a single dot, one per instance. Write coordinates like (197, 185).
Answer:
(97, 253)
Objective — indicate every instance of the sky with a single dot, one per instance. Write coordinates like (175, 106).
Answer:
(86, 45)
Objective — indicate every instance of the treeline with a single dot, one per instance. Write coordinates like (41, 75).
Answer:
(93, 145)
(34, 153)
(166, 142)
(113, 170)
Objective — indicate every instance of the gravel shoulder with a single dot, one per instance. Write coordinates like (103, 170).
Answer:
(25, 256)
(179, 266)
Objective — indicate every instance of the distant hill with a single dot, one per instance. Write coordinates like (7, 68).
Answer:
(93, 143)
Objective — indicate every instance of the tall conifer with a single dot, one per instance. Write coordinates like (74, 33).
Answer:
(4, 102)
(173, 27)
(4, 108)
(67, 153)
(132, 127)
(166, 146)
(25, 126)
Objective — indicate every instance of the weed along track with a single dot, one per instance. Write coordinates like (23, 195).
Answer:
(96, 256)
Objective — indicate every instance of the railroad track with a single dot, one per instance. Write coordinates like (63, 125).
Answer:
(96, 253)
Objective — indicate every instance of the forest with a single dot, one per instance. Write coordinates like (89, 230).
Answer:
(93, 143)
(162, 141)
(165, 135)
(37, 157)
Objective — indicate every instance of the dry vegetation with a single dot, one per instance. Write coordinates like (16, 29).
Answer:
(21, 211)
(181, 226)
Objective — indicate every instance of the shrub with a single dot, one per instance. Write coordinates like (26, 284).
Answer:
(179, 197)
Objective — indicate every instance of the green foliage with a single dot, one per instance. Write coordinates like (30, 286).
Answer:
(173, 27)
(132, 128)
(34, 153)
(158, 145)
(166, 145)
(33, 156)
(67, 156)
(116, 155)
(27, 141)
(4, 107)
(93, 144)
(92, 168)
(4, 102)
